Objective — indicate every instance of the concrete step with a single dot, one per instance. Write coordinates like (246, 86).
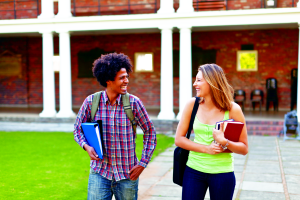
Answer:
(264, 127)
(265, 122)
(265, 133)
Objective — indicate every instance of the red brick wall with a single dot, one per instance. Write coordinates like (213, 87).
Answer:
(277, 55)
(27, 88)
(35, 71)
(145, 85)
(13, 89)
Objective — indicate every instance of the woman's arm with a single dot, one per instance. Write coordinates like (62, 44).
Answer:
(240, 147)
(182, 128)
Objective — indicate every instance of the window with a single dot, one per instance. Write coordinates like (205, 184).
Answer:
(86, 60)
(143, 62)
(199, 57)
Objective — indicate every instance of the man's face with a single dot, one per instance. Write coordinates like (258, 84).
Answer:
(119, 85)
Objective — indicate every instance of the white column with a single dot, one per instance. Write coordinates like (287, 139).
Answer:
(47, 7)
(166, 75)
(185, 68)
(298, 4)
(166, 7)
(64, 9)
(185, 6)
(65, 86)
(298, 82)
(48, 77)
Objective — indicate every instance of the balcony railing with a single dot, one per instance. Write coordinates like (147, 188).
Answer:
(205, 5)
(17, 9)
(104, 7)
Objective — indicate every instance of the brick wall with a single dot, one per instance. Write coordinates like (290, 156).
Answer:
(277, 55)
(13, 89)
(35, 71)
(147, 84)
(26, 89)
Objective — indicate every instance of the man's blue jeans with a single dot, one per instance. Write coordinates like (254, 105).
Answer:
(102, 188)
(221, 186)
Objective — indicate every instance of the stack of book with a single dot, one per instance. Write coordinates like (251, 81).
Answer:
(232, 130)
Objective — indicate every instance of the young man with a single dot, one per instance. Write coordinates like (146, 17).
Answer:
(118, 172)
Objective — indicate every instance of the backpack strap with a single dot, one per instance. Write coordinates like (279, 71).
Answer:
(128, 111)
(95, 104)
(126, 105)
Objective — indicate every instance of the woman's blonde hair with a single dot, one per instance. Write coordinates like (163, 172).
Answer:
(221, 91)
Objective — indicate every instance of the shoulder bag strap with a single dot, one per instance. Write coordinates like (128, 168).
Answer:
(195, 109)
(128, 111)
(95, 104)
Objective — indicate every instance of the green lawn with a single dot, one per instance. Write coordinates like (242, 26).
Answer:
(49, 165)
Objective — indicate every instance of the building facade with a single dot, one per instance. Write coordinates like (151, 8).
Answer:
(180, 35)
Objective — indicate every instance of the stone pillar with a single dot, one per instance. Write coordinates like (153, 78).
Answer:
(65, 85)
(185, 68)
(47, 7)
(64, 9)
(166, 7)
(298, 87)
(48, 77)
(166, 75)
(185, 6)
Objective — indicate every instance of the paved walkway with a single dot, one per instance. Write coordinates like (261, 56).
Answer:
(271, 170)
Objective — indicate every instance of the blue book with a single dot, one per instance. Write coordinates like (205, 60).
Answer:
(93, 136)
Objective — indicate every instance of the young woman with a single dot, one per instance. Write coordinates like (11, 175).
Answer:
(207, 166)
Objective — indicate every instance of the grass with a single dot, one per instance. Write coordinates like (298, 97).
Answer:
(49, 165)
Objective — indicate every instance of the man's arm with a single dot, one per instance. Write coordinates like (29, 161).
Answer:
(146, 125)
(82, 116)
(143, 120)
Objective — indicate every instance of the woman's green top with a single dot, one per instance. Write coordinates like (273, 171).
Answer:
(204, 162)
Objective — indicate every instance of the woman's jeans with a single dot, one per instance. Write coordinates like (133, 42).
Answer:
(221, 186)
(102, 188)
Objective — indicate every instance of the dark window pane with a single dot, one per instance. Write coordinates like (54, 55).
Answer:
(86, 60)
(200, 57)
(247, 47)
(176, 63)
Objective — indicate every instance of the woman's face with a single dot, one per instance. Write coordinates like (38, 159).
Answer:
(201, 86)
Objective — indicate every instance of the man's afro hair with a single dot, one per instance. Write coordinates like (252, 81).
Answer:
(107, 66)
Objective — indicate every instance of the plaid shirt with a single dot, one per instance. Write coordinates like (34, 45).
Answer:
(118, 135)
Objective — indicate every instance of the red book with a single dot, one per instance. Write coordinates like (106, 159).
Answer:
(232, 132)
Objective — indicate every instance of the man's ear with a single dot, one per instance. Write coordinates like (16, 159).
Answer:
(108, 82)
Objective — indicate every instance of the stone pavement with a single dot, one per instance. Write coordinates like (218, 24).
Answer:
(271, 170)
